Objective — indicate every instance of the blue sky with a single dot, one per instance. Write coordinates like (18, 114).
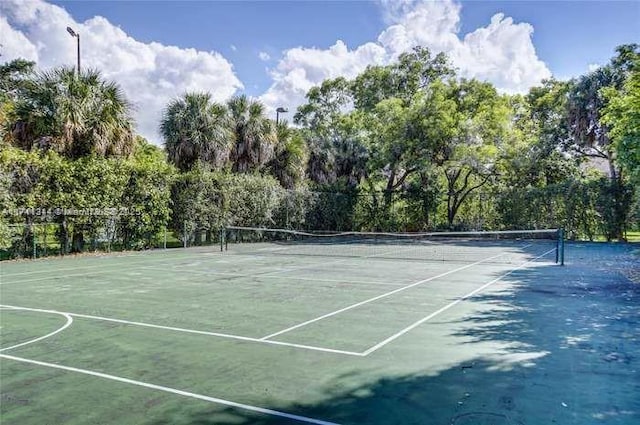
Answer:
(569, 35)
(277, 50)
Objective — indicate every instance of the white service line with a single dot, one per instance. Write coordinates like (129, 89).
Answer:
(191, 331)
(310, 266)
(65, 326)
(215, 400)
(101, 266)
(386, 294)
(447, 307)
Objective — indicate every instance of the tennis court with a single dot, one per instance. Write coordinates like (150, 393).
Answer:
(272, 330)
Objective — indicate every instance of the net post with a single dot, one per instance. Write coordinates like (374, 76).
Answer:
(560, 247)
(222, 239)
(164, 244)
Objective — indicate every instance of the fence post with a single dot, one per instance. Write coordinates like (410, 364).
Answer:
(164, 245)
(184, 234)
(33, 237)
(46, 230)
(561, 246)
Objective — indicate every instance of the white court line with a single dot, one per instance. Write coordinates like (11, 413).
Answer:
(65, 326)
(447, 307)
(215, 400)
(310, 266)
(386, 294)
(93, 266)
(124, 266)
(191, 331)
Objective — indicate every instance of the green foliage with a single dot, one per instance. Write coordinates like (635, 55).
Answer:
(421, 196)
(413, 72)
(622, 115)
(325, 105)
(197, 204)
(14, 77)
(73, 115)
(251, 200)
(585, 207)
(290, 157)
(6, 205)
(339, 156)
(195, 129)
(204, 202)
(254, 134)
(146, 195)
(51, 184)
(407, 146)
(332, 207)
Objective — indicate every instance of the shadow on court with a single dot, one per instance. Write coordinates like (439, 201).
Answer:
(567, 352)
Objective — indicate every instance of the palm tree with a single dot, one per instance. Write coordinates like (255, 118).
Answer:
(195, 129)
(290, 157)
(76, 115)
(255, 135)
(337, 157)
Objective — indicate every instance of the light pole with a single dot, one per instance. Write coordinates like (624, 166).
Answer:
(279, 111)
(77, 36)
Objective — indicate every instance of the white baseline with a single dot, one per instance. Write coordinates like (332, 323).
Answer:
(215, 400)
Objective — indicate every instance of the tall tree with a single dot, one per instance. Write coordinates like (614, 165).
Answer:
(196, 129)
(406, 138)
(472, 156)
(413, 72)
(622, 116)
(14, 76)
(76, 115)
(589, 135)
(254, 134)
(290, 157)
(541, 119)
(325, 105)
(337, 153)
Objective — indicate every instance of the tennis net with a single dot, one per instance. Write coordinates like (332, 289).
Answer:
(510, 246)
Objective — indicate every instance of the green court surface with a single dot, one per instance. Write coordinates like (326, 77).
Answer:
(198, 336)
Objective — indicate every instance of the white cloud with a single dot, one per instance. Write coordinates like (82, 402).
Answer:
(150, 73)
(14, 43)
(302, 68)
(264, 56)
(233, 47)
(501, 52)
(592, 67)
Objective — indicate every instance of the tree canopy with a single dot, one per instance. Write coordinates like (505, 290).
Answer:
(406, 146)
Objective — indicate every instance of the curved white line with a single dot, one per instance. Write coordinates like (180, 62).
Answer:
(65, 326)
